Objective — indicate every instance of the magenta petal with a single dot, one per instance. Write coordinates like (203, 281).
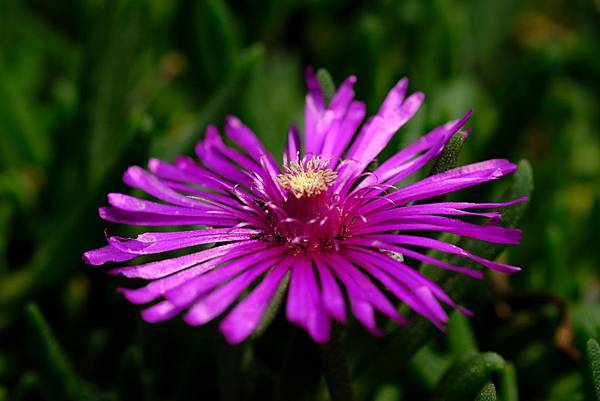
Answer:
(332, 124)
(411, 284)
(304, 305)
(132, 204)
(331, 294)
(432, 304)
(215, 303)
(490, 233)
(315, 92)
(160, 312)
(411, 277)
(247, 140)
(375, 296)
(214, 205)
(377, 241)
(428, 259)
(187, 171)
(430, 209)
(396, 283)
(189, 291)
(165, 267)
(313, 110)
(343, 96)
(137, 177)
(165, 170)
(318, 323)
(208, 153)
(394, 98)
(153, 219)
(336, 142)
(150, 243)
(443, 183)
(246, 316)
(215, 142)
(360, 305)
(159, 287)
(437, 136)
(296, 311)
(105, 254)
(455, 179)
(270, 183)
(376, 134)
(470, 205)
(200, 176)
(293, 146)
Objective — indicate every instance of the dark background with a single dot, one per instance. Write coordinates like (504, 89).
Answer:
(90, 87)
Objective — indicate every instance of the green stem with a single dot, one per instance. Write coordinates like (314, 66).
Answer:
(336, 370)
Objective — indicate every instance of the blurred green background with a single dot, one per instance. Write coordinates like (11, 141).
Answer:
(89, 87)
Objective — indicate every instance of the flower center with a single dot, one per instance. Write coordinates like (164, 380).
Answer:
(309, 220)
(307, 179)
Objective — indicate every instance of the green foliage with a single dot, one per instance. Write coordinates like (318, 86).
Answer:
(465, 378)
(449, 157)
(88, 88)
(487, 393)
(460, 334)
(593, 358)
(327, 83)
(216, 39)
(59, 378)
(134, 381)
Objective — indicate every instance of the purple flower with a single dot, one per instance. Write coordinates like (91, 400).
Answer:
(340, 233)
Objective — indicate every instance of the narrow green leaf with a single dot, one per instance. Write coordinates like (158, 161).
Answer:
(460, 334)
(14, 286)
(509, 390)
(467, 376)
(336, 369)
(6, 212)
(134, 382)
(230, 371)
(57, 374)
(593, 356)
(19, 187)
(369, 49)
(28, 387)
(327, 84)
(489, 31)
(487, 393)
(22, 136)
(388, 393)
(297, 380)
(270, 116)
(104, 396)
(180, 141)
(522, 185)
(114, 67)
(427, 367)
(448, 159)
(217, 41)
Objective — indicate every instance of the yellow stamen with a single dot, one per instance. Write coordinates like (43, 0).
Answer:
(307, 179)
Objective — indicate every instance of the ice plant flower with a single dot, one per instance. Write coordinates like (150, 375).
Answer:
(341, 234)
